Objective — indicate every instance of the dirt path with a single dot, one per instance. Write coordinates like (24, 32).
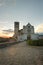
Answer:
(21, 54)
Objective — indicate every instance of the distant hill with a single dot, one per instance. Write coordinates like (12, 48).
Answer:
(40, 33)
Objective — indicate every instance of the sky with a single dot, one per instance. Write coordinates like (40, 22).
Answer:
(23, 11)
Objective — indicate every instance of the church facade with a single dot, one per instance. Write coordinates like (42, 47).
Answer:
(23, 34)
(26, 33)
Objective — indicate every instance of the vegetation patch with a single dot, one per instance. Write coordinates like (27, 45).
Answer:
(35, 42)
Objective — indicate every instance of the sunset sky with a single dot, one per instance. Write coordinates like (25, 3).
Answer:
(23, 11)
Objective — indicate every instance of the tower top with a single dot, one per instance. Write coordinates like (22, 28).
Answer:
(16, 22)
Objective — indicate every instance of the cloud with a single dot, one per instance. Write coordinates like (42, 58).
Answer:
(2, 3)
(39, 28)
(7, 2)
(8, 31)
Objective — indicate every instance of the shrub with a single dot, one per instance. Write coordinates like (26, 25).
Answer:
(35, 42)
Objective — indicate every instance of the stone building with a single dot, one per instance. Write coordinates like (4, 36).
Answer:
(16, 28)
(24, 33)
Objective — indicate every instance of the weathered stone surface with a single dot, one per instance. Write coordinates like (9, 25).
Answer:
(21, 54)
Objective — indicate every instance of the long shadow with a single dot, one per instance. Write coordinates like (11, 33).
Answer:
(7, 44)
(4, 45)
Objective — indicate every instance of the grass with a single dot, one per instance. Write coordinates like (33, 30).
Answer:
(35, 42)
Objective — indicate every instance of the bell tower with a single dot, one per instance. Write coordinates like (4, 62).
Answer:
(16, 28)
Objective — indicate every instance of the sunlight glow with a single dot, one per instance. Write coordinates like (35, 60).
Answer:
(39, 28)
(6, 35)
